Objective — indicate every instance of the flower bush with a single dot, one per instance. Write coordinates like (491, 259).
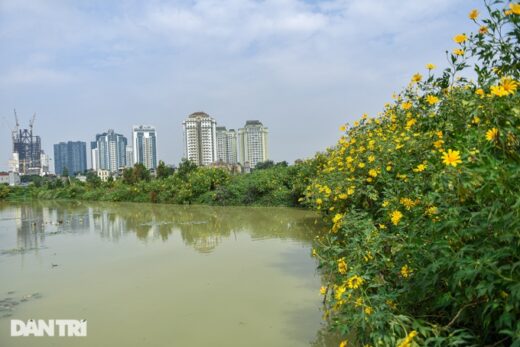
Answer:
(423, 203)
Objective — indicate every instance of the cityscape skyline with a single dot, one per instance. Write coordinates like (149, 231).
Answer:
(111, 151)
(304, 68)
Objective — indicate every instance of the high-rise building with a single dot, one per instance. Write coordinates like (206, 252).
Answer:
(109, 152)
(252, 140)
(144, 139)
(129, 156)
(94, 156)
(70, 155)
(200, 145)
(226, 145)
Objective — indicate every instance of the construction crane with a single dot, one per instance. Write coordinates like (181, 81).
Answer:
(17, 123)
(31, 123)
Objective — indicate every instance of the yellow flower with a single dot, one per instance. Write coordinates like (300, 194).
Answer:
(432, 210)
(314, 253)
(342, 266)
(372, 173)
(483, 30)
(371, 158)
(388, 168)
(473, 14)
(432, 99)
(438, 143)
(361, 165)
(405, 271)
(460, 38)
(343, 343)
(337, 218)
(430, 66)
(385, 203)
(420, 168)
(319, 201)
(480, 92)
(458, 51)
(509, 85)
(408, 339)
(396, 217)
(343, 128)
(391, 304)
(416, 78)
(498, 91)
(354, 282)
(515, 8)
(338, 292)
(451, 158)
(323, 290)
(492, 134)
(410, 123)
(368, 310)
(343, 196)
(408, 203)
(406, 105)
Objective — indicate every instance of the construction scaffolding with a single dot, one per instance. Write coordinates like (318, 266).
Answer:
(27, 149)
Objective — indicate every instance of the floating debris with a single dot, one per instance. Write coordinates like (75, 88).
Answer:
(8, 304)
(194, 222)
(14, 251)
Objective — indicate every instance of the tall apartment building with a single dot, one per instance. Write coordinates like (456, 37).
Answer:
(227, 145)
(252, 141)
(129, 156)
(70, 155)
(144, 140)
(94, 155)
(109, 151)
(200, 143)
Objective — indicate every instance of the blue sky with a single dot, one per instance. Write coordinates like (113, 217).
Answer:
(301, 67)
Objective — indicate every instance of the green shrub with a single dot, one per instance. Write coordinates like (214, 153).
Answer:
(424, 205)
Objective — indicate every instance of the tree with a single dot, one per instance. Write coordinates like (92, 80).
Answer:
(140, 173)
(136, 174)
(93, 179)
(185, 168)
(163, 171)
(128, 175)
(264, 165)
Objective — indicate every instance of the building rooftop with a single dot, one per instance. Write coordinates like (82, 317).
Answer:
(253, 122)
(198, 114)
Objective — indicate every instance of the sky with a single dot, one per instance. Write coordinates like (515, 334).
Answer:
(302, 68)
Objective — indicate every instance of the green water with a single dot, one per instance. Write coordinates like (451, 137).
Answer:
(159, 275)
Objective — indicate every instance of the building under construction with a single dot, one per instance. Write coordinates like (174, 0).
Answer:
(27, 151)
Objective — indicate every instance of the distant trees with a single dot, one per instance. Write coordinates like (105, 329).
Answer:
(269, 164)
(163, 171)
(93, 179)
(136, 174)
(185, 168)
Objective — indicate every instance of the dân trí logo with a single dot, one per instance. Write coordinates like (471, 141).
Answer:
(51, 327)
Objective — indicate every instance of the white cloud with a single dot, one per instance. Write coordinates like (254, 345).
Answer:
(281, 61)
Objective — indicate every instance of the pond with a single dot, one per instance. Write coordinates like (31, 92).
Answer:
(161, 275)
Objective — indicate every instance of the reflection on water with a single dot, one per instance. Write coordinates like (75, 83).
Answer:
(201, 227)
(161, 275)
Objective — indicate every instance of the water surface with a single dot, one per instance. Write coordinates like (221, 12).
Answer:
(160, 275)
